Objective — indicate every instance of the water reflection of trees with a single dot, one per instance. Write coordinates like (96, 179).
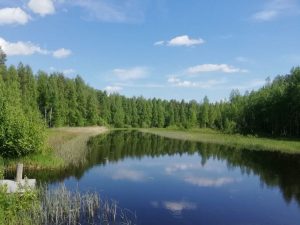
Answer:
(274, 169)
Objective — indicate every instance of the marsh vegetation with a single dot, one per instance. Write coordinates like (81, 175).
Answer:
(60, 206)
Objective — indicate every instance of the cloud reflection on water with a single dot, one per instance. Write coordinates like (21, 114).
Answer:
(175, 207)
(128, 174)
(209, 182)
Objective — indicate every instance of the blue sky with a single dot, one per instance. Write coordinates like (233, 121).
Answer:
(156, 48)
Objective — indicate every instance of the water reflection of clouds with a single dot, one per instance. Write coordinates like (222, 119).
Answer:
(181, 167)
(175, 207)
(129, 174)
(209, 182)
(209, 167)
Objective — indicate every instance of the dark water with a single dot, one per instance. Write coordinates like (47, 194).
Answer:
(167, 181)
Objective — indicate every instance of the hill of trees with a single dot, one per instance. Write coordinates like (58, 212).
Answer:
(30, 102)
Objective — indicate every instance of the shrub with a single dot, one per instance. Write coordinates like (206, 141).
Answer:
(19, 136)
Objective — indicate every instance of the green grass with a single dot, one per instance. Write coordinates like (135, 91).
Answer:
(64, 147)
(37, 161)
(233, 140)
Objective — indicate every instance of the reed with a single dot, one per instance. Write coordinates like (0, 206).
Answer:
(70, 144)
(62, 206)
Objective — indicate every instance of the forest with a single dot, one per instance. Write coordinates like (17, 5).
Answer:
(31, 102)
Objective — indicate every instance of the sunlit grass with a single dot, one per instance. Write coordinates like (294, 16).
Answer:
(233, 140)
(65, 146)
(70, 144)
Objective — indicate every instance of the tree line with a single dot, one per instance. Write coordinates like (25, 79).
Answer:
(30, 102)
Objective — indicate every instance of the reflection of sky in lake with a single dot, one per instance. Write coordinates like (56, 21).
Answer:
(179, 190)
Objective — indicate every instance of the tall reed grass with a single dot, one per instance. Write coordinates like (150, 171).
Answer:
(60, 206)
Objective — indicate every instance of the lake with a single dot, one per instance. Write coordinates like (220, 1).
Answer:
(164, 181)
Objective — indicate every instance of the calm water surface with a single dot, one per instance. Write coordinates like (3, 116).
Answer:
(167, 181)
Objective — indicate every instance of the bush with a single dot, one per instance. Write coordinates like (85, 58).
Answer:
(230, 126)
(19, 136)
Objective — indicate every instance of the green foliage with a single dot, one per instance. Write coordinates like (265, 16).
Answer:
(29, 102)
(14, 207)
(21, 130)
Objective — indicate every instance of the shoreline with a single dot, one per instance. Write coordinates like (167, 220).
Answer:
(231, 140)
(64, 146)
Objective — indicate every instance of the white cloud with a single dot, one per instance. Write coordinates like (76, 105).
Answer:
(21, 48)
(183, 40)
(178, 206)
(209, 182)
(159, 43)
(62, 53)
(42, 7)
(131, 73)
(265, 15)
(113, 89)
(224, 68)
(13, 16)
(174, 81)
(29, 48)
(110, 11)
(69, 71)
(126, 174)
(276, 8)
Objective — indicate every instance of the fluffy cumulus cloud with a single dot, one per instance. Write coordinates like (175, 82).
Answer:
(113, 89)
(276, 8)
(29, 48)
(42, 7)
(224, 68)
(62, 53)
(183, 40)
(177, 82)
(13, 16)
(131, 73)
(21, 48)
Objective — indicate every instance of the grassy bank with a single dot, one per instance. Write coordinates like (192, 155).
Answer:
(233, 140)
(65, 146)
